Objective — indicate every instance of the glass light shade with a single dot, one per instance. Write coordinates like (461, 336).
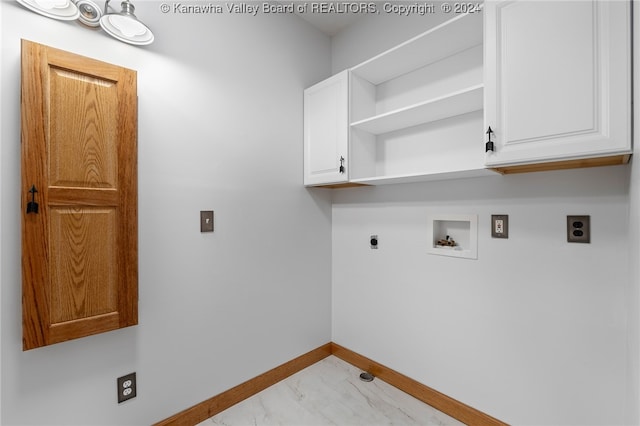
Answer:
(63, 10)
(125, 26)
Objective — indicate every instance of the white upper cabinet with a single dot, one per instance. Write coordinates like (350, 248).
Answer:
(557, 82)
(326, 131)
(551, 78)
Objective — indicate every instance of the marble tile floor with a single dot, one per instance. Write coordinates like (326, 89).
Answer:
(330, 392)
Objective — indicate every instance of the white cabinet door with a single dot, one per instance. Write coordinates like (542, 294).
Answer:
(326, 130)
(557, 80)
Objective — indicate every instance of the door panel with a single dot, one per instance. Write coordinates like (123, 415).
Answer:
(79, 150)
(84, 280)
(76, 98)
(555, 96)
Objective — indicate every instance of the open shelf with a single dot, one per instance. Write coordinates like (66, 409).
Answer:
(439, 150)
(457, 103)
(421, 177)
(458, 34)
(416, 110)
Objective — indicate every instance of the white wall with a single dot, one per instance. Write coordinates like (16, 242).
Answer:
(633, 309)
(532, 332)
(375, 33)
(1, 237)
(220, 127)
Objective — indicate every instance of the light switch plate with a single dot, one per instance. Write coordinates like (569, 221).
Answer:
(500, 226)
(206, 221)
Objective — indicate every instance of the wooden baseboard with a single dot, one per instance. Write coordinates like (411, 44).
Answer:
(212, 406)
(432, 397)
(209, 408)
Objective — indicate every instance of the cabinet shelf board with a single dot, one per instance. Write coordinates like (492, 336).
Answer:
(425, 177)
(451, 37)
(457, 103)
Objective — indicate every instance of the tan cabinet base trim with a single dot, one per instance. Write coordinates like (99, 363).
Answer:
(340, 185)
(561, 165)
(209, 408)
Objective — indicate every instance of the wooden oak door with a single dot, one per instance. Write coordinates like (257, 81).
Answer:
(79, 151)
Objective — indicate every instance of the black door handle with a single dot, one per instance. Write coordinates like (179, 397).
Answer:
(32, 206)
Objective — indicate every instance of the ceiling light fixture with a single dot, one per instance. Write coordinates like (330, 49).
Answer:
(90, 12)
(63, 10)
(123, 26)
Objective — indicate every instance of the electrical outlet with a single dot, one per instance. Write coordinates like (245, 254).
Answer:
(500, 226)
(579, 229)
(206, 221)
(373, 241)
(126, 387)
